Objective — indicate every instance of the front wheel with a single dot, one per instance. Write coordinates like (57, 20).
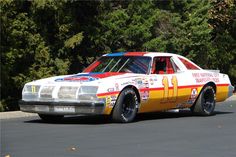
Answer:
(125, 109)
(50, 118)
(205, 104)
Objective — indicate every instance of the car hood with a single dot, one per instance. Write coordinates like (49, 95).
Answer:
(86, 78)
(94, 77)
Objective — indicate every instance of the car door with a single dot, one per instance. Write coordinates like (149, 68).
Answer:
(165, 91)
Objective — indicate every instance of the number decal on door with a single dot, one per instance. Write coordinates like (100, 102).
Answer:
(167, 95)
(174, 82)
(165, 83)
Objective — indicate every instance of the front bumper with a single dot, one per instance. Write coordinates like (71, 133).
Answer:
(62, 108)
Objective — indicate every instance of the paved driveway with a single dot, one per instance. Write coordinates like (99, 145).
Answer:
(154, 135)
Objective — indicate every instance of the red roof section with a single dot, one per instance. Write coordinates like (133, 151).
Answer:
(135, 53)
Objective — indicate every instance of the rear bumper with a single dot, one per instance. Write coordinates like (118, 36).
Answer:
(231, 90)
(62, 108)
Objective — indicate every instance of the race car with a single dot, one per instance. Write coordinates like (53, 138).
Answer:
(127, 83)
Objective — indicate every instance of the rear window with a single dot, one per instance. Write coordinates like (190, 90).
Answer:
(188, 64)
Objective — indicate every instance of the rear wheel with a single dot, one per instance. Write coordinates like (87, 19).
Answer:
(126, 106)
(205, 104)
(50, 118)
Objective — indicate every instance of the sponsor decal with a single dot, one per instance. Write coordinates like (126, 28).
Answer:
(110, 89)
(111, 101)
(151, 81)
(206, 77)
(79, 77)
(138, 81)
(124, 84)
(194, 93)
(145, 83)
(108, 100)
(141, 82)
(88, 77)
(144, 95)
(193, 96)
(155, 79)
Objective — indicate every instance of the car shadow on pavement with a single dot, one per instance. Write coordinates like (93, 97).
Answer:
(171, 115)
(101, 120)
(77, 119)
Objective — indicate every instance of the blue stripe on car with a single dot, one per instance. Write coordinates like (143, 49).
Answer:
(116, 54)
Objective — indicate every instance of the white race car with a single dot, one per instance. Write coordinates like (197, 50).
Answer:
(124, 84)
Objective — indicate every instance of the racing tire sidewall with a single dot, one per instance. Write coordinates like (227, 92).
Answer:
(118, 114)
(199, 108)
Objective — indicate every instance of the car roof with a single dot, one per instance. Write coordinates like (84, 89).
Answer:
(150, 54)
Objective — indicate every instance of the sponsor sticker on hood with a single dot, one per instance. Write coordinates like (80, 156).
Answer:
(88, 77)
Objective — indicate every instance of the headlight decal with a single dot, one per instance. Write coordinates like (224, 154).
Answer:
(46, 92)
(88, 90)
(30, 92)
(31, 89)
(88, 93)
(67, 92)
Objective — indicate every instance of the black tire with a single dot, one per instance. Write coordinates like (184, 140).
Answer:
(51, 118)
(126, 106)
(205, 103)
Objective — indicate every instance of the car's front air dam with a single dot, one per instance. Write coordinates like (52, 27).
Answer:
(62, 108)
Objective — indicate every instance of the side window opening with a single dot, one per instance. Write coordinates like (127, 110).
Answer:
(162, 65)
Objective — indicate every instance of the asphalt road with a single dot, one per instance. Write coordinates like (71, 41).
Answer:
(154, 135)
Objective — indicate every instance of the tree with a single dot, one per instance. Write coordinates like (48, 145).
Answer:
(223, 22)
(46, 37)
(28, 46)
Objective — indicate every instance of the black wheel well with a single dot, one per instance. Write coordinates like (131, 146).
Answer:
(212, 84)
(135, 90)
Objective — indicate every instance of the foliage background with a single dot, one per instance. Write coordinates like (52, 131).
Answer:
(43, 38)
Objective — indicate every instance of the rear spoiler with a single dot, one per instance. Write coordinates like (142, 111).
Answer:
(215, 71)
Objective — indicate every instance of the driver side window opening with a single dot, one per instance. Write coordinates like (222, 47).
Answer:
(163, 65)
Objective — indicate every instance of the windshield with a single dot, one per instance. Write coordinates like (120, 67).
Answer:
(131, 64)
